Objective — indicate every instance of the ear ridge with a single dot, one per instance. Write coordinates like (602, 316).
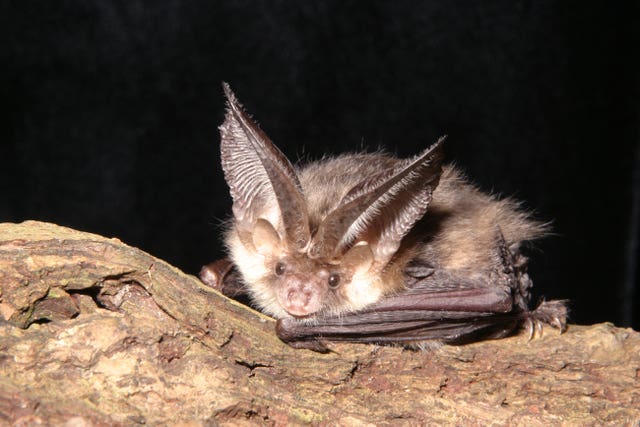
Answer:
(394, 220)
(382, 209)
(260, 177)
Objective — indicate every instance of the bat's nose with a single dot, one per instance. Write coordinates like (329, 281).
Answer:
(297, 303)
(302, 300)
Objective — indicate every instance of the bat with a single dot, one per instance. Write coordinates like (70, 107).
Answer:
(367, 247)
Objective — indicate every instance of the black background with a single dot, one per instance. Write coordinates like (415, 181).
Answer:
(111, 111)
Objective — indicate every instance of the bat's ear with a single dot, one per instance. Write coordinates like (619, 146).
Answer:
(382, 209)
(262, 181)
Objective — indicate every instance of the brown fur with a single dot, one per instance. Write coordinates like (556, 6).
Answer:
(459, 230)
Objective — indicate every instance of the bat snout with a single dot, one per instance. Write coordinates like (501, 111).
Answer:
(301, 300)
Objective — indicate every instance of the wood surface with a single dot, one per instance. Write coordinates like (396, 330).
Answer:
(95, 332)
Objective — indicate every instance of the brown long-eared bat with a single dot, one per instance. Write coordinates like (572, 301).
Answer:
(372, 248)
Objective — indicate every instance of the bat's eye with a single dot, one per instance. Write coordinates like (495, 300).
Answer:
(280, 268)
(334, 280)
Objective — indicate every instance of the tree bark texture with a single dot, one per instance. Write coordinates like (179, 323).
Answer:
(95, 332)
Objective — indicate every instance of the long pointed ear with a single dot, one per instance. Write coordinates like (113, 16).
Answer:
(382, 209)
(262, 181)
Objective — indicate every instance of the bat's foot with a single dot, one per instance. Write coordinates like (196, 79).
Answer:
(214, 274)
(553, 313)
(222, 276)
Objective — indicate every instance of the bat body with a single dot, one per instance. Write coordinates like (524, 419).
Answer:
(369, 247)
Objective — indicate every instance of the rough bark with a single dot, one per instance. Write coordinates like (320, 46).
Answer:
(96, 332)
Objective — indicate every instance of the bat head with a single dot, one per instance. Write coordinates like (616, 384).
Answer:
(292, 269)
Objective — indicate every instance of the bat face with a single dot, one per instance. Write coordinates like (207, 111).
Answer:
(321, 240)
(286, 282)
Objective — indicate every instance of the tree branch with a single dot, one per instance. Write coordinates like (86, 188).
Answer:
(97, 331)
